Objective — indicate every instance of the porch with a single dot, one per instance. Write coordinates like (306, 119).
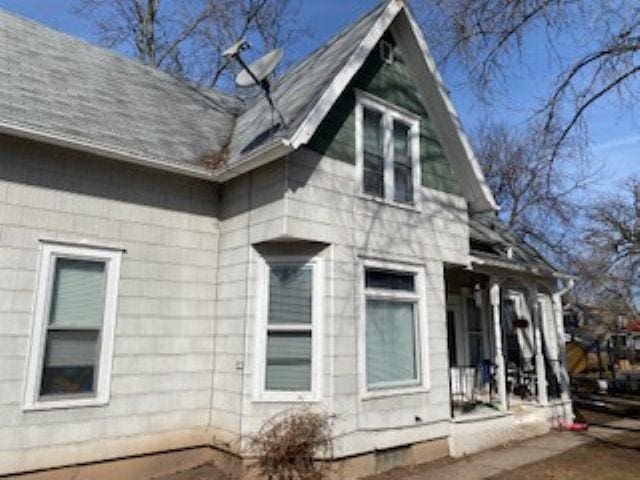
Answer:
(506, 344)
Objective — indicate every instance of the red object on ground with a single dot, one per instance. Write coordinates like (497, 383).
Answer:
(572, 427)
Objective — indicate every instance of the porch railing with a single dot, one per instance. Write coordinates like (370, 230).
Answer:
(472, 387)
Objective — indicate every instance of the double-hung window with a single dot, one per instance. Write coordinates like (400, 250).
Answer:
(73, 329)
(387, 151)
(393, 343)
(289, 364)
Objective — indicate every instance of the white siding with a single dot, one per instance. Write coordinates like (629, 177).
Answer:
(321, 206)
(161, 378)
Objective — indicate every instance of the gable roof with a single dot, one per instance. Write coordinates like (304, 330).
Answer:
(299, 89)
(65, 91)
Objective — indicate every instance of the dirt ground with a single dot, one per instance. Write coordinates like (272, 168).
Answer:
(615, 458)
(203, 472)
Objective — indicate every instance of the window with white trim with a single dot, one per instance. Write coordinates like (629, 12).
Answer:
(393, 347)
(289, 363)
(74, 324)
(387, 151)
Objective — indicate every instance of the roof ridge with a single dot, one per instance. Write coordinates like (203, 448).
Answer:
(258, 96)
(333, 39)
(112, 53)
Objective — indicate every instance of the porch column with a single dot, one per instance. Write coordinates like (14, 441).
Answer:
(501, 377)
(563, 375)
(541, 374)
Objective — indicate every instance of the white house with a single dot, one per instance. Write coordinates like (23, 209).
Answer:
(175, 268)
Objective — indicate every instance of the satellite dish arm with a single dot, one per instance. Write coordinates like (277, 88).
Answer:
(248, 70)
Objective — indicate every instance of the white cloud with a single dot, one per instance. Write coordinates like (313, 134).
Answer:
(617, 143)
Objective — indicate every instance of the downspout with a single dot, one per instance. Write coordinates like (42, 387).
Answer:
(246, 310)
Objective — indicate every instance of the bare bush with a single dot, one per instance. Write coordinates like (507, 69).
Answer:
(288, 443)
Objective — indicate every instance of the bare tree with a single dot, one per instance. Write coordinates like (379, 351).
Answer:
(486, 36)
(610, 262)
(187, 37)
(537, 197)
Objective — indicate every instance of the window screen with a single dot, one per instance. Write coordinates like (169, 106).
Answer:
(391, 342)
(289, 328)
(76, 310)
(402, 164)
(391, 327)
(373, 177)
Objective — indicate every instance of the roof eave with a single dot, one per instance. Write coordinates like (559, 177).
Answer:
(447, 123)
(50, 138)
(316, 115)
(255, 159)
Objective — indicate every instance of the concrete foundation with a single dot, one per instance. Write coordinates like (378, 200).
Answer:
(163, 463)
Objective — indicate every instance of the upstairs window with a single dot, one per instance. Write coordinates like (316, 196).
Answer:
(387, 147)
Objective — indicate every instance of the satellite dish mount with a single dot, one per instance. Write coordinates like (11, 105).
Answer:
(258, 72)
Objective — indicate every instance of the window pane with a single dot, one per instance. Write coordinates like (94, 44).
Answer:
(387, 280)
(372, 132)
(401, 144)
(69, 362)
(288, 361)
(402, 183)
(290, 290)
(402, 165)
(373, 177)
(390, 337)
(77, 297)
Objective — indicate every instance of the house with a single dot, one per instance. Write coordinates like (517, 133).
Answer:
(176, 268)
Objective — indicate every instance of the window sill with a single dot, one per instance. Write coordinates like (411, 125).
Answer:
(393, 392)
(286, 397)
(389, 203)
(66, 403)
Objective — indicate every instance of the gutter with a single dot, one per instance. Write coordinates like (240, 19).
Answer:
(256, 158)
(473, 260)
(101, 150)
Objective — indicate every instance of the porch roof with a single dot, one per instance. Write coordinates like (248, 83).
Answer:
(495, 244)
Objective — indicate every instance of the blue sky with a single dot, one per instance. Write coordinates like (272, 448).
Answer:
(615, 135)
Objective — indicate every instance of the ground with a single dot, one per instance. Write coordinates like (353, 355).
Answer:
(616, 458)
(609, 450)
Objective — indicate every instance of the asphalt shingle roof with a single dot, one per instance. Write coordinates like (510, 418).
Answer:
(298, 90)
(491, 238)
(62, 87)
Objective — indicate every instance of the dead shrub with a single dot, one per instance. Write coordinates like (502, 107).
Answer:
(288, 442)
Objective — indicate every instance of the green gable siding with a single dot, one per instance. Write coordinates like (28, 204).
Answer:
(336, 135)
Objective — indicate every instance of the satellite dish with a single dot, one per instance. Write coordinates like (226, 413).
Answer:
(256, 74)
(259, 70)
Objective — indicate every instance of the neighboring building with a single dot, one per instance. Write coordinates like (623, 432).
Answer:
(175, 270)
